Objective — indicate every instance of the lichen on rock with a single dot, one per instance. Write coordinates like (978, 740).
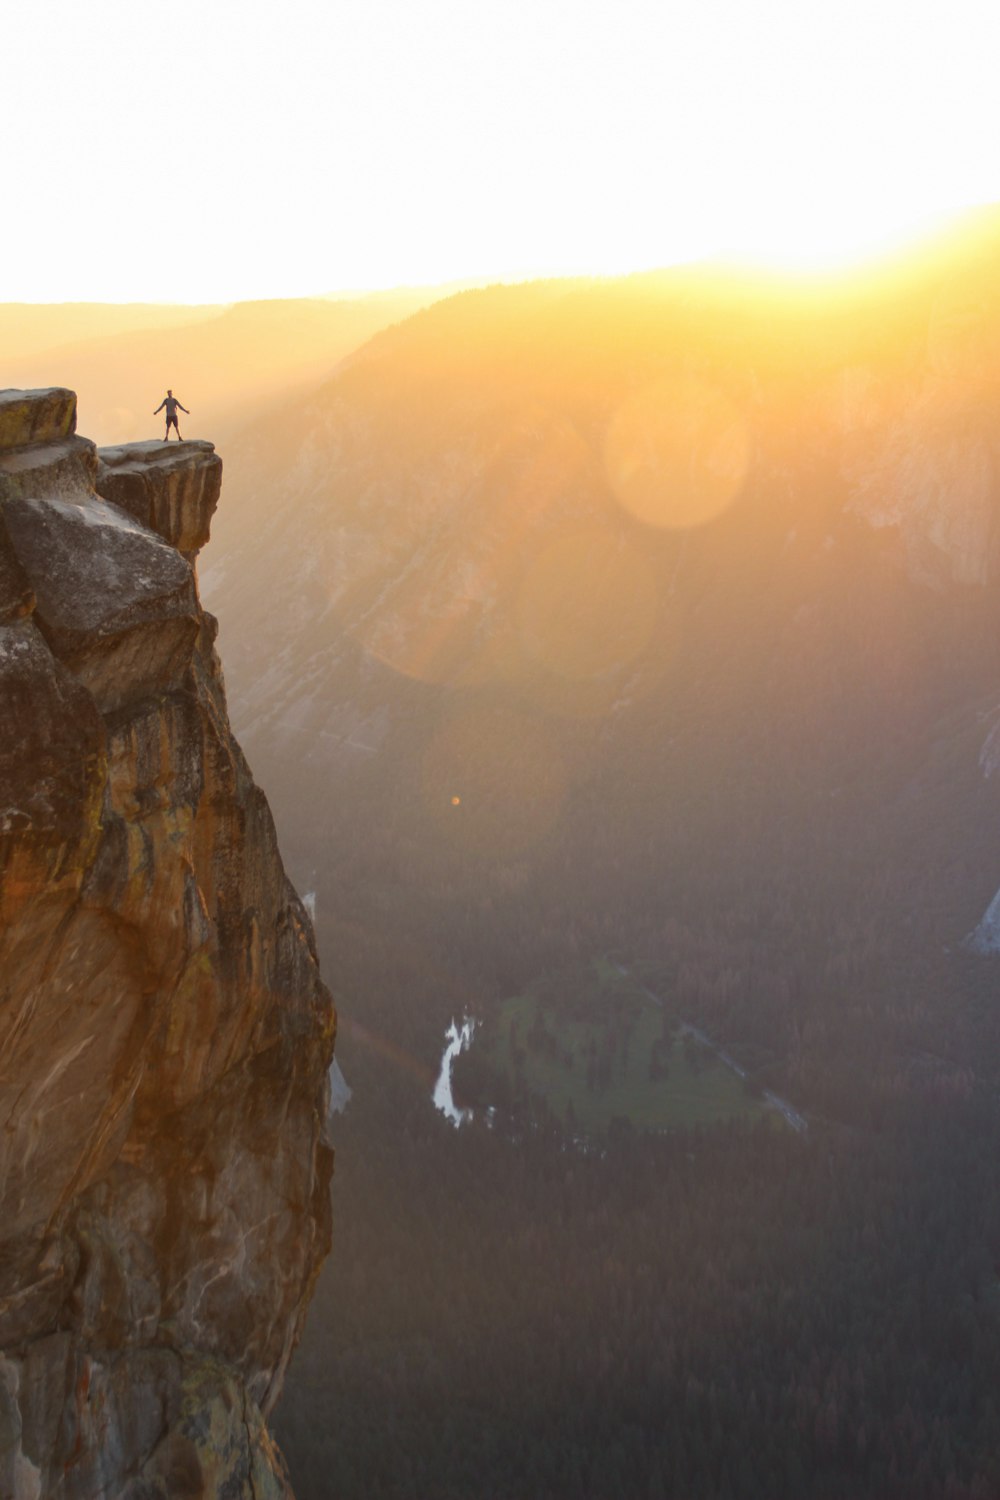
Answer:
(165, 1037)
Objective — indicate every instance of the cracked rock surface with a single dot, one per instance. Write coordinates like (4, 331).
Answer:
(165, 1037)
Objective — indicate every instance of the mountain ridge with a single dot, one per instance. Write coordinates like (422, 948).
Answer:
(643, 715)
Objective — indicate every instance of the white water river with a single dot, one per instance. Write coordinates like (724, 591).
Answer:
(457, 1038)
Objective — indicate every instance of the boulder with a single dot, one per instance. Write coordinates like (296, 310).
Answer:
(116, 604)
(66, 469)
(173, 488)
(43, 416)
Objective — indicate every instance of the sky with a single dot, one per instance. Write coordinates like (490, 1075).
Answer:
(207, 150)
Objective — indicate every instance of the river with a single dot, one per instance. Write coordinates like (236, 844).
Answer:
(457, 1038)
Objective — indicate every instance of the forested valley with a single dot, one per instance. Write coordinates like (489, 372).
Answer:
(733, 1311)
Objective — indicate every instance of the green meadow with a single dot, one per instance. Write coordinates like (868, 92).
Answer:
(590, 1045)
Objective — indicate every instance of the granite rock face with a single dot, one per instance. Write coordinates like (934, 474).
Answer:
(36, 417)
(171, 491)
(165, 1038)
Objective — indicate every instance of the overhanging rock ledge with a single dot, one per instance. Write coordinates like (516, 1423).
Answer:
(165, 1037)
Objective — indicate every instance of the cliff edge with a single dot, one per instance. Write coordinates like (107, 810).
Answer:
(165, 1037)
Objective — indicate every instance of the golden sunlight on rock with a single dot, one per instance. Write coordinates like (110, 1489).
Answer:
(587, 605)
(511, 781)
(165, 1038)
(677, 452)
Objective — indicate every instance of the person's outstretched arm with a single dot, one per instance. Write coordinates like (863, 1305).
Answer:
(161, 406)
(183, 409)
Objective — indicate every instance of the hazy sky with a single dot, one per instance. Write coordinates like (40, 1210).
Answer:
(204, 150)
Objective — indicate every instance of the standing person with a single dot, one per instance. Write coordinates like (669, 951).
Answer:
(171, 402)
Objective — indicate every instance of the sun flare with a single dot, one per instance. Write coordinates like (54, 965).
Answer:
(485, 143)
(799, 245)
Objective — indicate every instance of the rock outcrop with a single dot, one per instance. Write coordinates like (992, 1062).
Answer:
(165, 1038)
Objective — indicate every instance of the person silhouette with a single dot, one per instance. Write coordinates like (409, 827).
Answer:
(171, 402)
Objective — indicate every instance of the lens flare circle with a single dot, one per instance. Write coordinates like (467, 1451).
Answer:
(587, 605)
(676, 453)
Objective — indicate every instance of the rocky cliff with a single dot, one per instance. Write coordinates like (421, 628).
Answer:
(164, 1033)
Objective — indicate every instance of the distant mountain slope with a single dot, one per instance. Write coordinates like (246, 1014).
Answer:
(607, 605)
(221, 361)
(27, 329)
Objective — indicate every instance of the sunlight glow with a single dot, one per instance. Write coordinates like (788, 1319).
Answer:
(235, 150)
(677, 453)
(587, 605)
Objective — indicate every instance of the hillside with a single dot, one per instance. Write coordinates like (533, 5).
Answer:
(28, 329)
(655, 619)
(499, 679)
(223, 361)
